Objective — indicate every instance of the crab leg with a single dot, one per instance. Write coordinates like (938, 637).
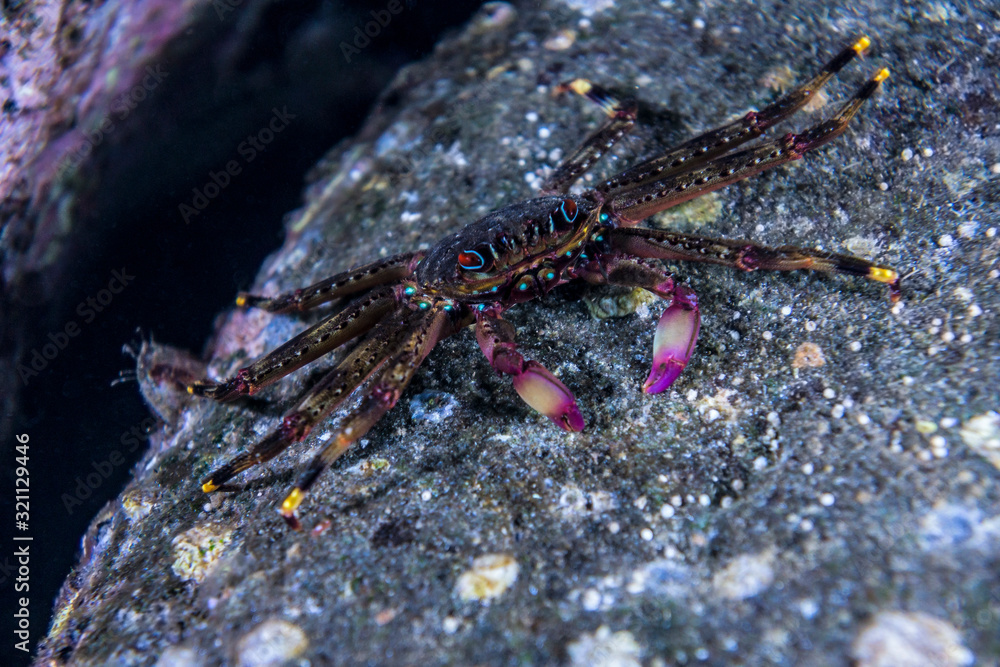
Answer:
(636, 202)
(396, 375)
(745, 255)
(535, 384)
(678, 327)
(311, 344)
(704, 147)
(322, 400)
(360, 279)
(621, 118)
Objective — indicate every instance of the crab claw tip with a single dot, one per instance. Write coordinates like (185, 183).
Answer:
(673, 344)
(543, 391)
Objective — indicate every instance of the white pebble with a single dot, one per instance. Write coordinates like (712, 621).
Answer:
(854, 346)
(927, 152)
(946, 241)
(704, 500)
(544, 133)
(591, 600)
(759, 463)
(827, 499)
(810, 326)
(531, 117)
(837, 412)
(667, 511)
(864, 419)
(613, 527)
(829, 393)
(786, 310)
(646, 534)
(907, 154)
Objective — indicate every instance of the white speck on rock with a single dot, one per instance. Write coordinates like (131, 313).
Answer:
(604, 649)
(489, 577)
(982, 435)
(271, 644)
(909, 639)
(179, 656)
(746, 576)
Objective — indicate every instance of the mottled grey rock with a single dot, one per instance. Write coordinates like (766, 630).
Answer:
(758, 512)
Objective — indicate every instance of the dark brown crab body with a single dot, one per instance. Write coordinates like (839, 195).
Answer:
(404, 305)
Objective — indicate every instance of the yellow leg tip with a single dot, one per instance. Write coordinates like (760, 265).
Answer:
(882, 275)
(882, 75)
(241, 299)
(862, 44)
(580, 86)
(190, 389)
(208, 487)
(292, 502)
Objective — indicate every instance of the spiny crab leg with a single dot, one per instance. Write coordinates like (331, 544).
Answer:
(746, 255)
(389, 385)
(311, 344)
(634, 202)
(357, 280)
(713, 143)
(535, 384)
(319, 403)
(621, 117)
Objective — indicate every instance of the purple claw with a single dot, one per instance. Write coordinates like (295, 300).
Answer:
(545, 393)
(676, 334)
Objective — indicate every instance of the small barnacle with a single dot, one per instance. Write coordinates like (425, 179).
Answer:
(197, 549)
(808, 355)
(488, 578)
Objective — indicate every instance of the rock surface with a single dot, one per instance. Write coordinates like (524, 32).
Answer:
(761, 511)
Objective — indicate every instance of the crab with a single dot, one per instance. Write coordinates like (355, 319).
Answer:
(402, 306)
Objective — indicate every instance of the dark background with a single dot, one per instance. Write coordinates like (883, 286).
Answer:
(74, 412)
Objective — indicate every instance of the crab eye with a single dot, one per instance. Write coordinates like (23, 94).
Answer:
(474, 260)
(569, 210)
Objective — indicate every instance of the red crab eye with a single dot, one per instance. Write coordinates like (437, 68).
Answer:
(563, 217)
(569, 210)
(480, 259)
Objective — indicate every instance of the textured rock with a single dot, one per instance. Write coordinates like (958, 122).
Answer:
(755, 513)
